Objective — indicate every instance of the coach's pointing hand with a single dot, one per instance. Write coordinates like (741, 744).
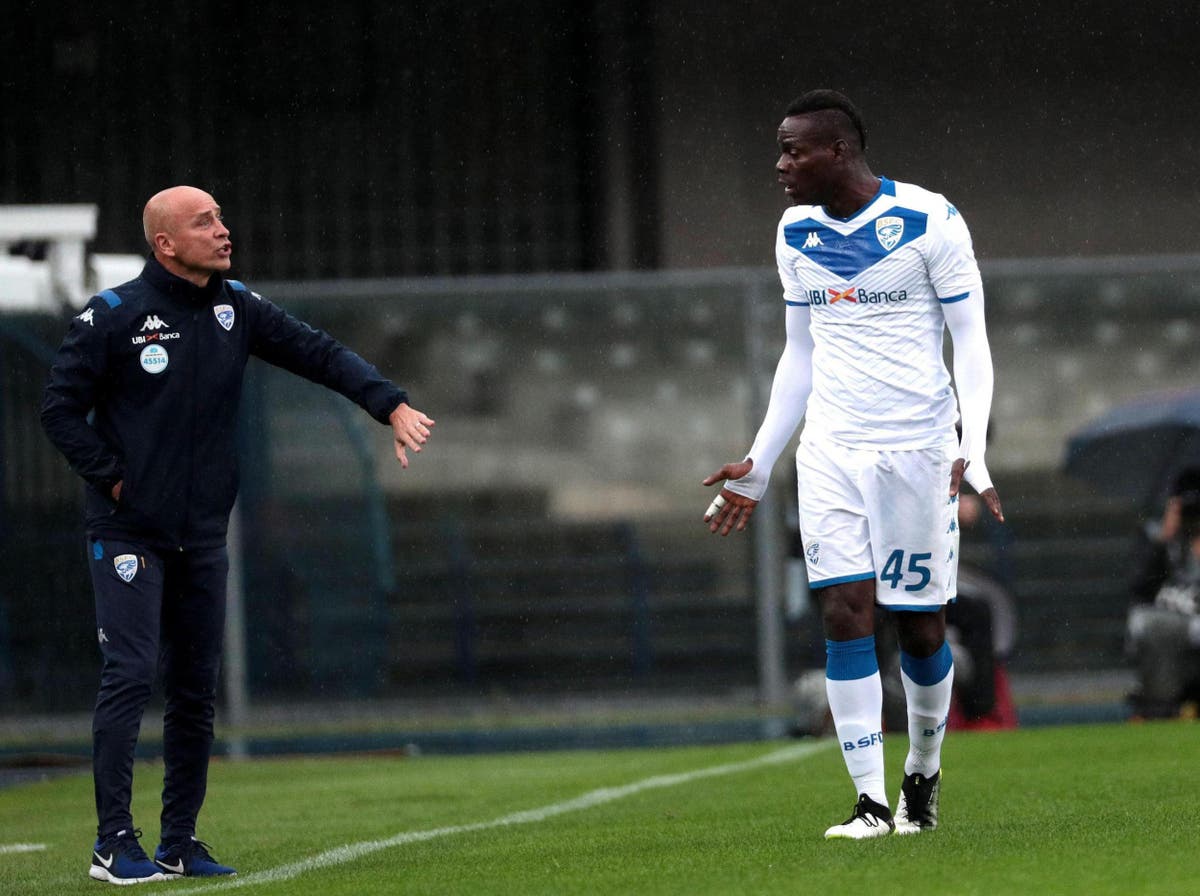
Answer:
(728, 509)
(411, 430)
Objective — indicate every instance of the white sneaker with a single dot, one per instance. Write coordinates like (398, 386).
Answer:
(917, 809)
(869, 820)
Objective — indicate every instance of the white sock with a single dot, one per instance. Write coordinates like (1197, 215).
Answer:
(856, 702)
(927, 686)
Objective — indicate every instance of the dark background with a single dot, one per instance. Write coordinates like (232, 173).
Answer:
(372, 139)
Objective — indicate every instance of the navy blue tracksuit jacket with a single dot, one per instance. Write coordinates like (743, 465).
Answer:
(160, 362)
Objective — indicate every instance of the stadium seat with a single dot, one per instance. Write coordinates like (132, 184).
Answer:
(1107, 333)
(1178, 332)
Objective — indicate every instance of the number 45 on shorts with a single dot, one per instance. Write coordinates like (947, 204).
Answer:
(894, 571)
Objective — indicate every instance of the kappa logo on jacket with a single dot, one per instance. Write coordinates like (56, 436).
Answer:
(155, 325)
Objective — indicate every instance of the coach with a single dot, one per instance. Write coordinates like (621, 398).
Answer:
(142, 400)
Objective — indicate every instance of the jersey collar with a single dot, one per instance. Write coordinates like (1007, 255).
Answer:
(886, 188)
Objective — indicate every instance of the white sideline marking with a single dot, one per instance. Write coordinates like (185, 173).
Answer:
(21, 847)
(351, 851)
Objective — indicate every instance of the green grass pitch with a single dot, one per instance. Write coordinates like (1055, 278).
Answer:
(1072, 810)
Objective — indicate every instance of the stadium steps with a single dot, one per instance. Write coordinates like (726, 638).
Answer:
(490, 604)
(547, 601)
(486, 597)
(1069, 563)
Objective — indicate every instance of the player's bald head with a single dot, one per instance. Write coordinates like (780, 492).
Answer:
(832, 113)
(165, 207)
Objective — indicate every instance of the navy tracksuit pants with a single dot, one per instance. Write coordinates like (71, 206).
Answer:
(156, 611)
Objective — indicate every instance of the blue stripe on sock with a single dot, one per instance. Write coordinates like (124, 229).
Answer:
(850, 660)
(928, 671)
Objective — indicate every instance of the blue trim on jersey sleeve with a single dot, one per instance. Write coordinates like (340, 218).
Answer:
(795, 304)
(952, 299)
(841, 580)
(111, 297)
(928, 671)
(849, 255)
(851, 660)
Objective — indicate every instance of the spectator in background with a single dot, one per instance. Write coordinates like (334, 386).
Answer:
(1163, 634)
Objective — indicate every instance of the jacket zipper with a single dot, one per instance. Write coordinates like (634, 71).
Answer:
(193, 355)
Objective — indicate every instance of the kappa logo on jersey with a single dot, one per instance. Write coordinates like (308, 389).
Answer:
(813, 240)
(813, 552)
(154, 359)
(153, 322)
(224, 314)
(100, 636)
(87, 316)
(889, 230)
(126, 566)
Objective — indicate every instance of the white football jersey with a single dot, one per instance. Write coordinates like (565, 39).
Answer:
(875, 284)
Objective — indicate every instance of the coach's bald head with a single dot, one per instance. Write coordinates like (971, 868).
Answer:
(183, 228)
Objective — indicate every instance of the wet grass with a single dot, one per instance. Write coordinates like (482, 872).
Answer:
(1079, 809)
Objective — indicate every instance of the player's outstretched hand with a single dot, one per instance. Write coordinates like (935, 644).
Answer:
(728, 510)
(411, 430)
(990, 496)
